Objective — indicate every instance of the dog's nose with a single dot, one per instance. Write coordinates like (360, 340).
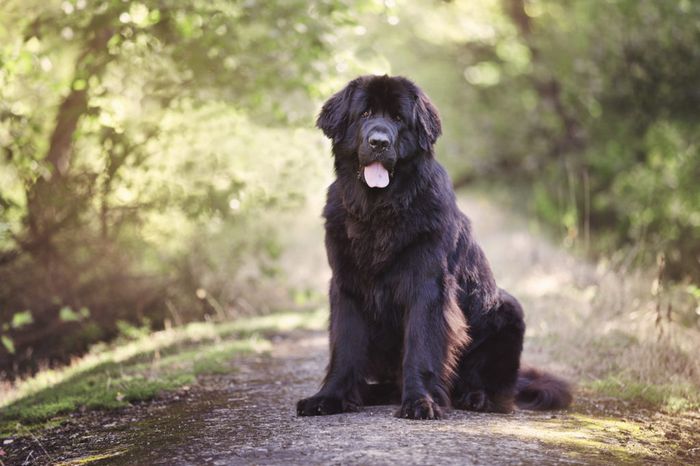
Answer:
(378, 140)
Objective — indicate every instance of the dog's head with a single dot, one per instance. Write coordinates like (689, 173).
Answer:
(380, 121)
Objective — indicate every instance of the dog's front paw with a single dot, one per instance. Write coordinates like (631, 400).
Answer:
(420, 408)
(320, 405)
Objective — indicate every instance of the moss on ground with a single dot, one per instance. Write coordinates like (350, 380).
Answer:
(621, 440)
(633, 438)
(113, 376)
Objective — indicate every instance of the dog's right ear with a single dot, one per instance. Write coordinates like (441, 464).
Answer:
(334, 116)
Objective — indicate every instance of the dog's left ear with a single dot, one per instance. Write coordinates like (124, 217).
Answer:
(427, 121)
(334, 115)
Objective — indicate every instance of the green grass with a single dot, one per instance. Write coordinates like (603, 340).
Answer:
(671, 397)
(113, 376)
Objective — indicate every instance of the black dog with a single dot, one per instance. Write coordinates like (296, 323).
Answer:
(416, 315)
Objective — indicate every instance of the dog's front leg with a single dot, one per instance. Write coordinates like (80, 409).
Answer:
(348, 340)
(434, 329)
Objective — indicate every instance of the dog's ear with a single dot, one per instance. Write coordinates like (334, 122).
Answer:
(334, 116)
(427, 121)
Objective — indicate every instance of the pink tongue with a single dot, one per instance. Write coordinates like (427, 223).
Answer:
(376, 175)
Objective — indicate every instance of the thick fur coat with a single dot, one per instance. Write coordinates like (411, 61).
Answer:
(416, 316)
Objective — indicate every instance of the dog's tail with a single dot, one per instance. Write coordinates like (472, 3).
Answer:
(538, 390)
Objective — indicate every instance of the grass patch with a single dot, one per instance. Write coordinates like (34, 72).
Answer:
(113, 376)
(93, 458)
(671, 397)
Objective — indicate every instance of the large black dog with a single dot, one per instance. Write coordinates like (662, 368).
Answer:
(416, 316)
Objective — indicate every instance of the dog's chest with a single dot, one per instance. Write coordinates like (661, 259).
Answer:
(373, 245)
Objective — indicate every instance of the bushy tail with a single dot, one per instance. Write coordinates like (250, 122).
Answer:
(538, 390)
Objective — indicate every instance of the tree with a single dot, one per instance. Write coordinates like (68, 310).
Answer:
(86, 87)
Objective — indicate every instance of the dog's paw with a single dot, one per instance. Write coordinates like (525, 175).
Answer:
(320, 405)
(478, 400)
(420, 408)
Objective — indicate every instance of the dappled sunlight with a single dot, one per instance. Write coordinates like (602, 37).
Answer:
(538, 284)
(573, 435)
(278, 322)
(520, 241)
(590, 322)
(622, 439)
(318, 341)
(152, 351)
(162, 180)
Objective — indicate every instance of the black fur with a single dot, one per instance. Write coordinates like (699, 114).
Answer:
(416, 316)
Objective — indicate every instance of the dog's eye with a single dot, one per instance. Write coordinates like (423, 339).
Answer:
(398, 118)
(367, 114)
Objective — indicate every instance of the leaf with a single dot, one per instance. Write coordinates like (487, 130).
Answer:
(8, 344)
(20, 319)
(79, 84)
(66, 314)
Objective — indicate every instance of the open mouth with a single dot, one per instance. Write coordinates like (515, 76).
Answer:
(376, 176)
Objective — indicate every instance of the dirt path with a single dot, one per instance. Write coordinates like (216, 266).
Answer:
(248, 416)
(253, 421)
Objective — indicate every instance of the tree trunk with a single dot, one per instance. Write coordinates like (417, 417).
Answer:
(49, 201)
(547, 87)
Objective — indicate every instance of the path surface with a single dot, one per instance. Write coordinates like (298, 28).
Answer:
(248, 416)
(252, 421)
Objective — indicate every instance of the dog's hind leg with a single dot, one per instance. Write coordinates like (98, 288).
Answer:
(488, 369)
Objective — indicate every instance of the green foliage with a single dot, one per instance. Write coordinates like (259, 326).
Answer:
(139, 143)
(131, 332)
(589, 104)
(20, 319)
(8, 344)
(66, 314)
(629, 153)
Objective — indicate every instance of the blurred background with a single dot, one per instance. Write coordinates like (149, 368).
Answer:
(159, 165)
